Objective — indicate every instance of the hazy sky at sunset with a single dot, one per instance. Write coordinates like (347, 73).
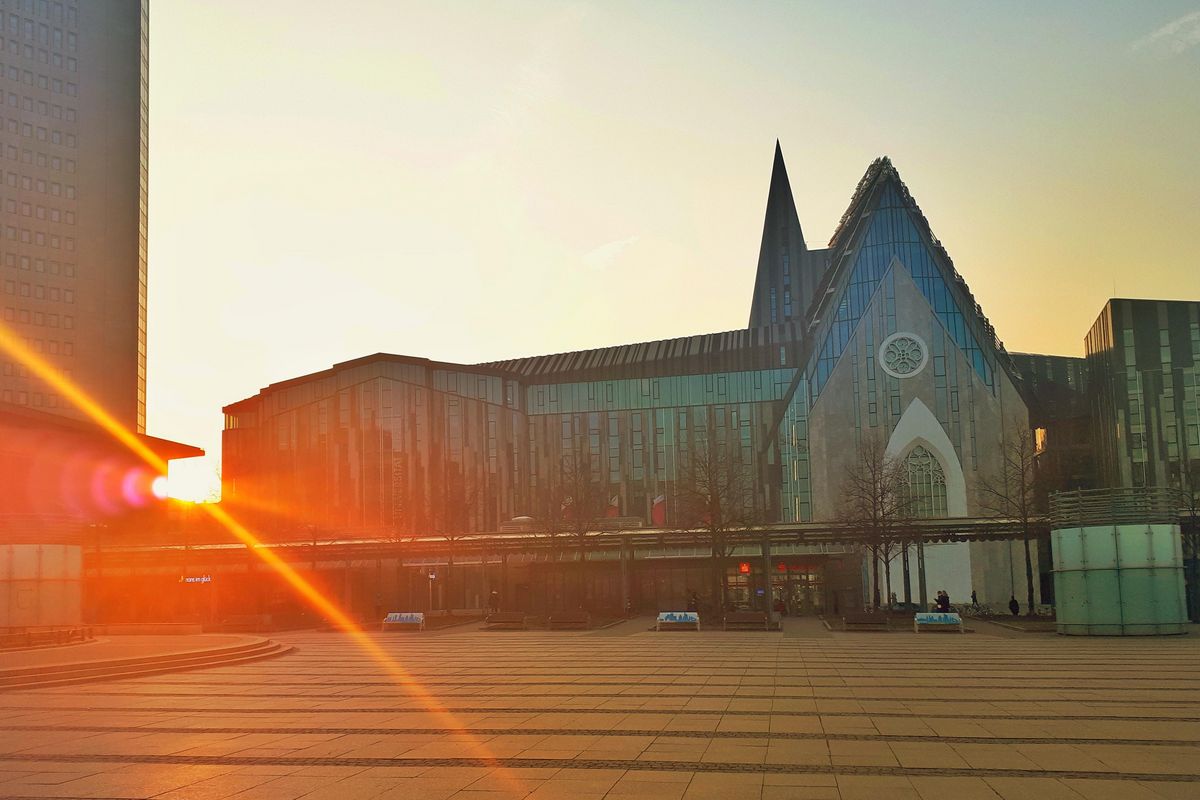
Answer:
(474, 181)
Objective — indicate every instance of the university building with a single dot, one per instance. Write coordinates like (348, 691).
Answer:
(874, 338)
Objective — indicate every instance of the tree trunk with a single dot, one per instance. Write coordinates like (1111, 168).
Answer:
(448, 591)
(887, 575)
(718, 585)
(582, 572)
(875, 576)
(907, 575)
(1028, 579)
(1193, 574)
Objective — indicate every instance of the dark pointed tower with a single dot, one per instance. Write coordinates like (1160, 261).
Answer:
(787, 271)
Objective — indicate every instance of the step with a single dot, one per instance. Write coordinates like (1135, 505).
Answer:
(176, 660)
(182, 655)
(119, 671)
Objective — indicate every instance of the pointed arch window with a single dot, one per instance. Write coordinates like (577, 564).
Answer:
(926, 484)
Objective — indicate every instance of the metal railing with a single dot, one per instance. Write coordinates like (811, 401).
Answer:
(1150, 504)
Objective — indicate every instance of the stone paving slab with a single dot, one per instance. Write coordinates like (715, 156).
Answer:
(628, 713)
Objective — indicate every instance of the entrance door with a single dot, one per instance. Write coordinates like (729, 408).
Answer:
(802, 588)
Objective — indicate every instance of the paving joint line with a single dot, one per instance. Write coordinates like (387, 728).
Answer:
(661, 696)
(630, 764)
(657, 734)
(529, 712)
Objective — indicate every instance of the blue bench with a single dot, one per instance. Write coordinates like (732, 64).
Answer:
(403, 621)
(677, 620)
(938, 621)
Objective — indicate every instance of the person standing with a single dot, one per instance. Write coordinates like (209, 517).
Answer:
(943, 601)
(1014, 606)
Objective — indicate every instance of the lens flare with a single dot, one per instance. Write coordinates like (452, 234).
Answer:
(160, 488)
(15, 347)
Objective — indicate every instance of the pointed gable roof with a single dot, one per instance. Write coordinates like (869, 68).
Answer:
(881, 189)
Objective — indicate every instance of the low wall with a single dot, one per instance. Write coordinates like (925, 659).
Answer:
(1119, 580)
(40, 585)
(148, 629)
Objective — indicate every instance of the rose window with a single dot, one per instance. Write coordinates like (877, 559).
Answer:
(902, 355)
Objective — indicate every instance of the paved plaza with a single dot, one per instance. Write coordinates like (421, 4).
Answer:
(625, 713)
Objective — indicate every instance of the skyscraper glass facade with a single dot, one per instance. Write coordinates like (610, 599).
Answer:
(393, 446)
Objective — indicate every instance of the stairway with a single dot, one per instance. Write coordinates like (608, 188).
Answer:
(38, 677)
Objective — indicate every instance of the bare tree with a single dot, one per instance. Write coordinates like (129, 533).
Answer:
(584, 503)
(1013, 491)
(548, 507)
(460, 497)
(716, 494)
(407, 508)
(875, 500)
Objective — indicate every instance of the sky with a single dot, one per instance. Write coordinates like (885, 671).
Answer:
(471, 181)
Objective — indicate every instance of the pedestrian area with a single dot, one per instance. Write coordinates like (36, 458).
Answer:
(626, 713)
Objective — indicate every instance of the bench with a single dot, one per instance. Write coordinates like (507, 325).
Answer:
(865, 621)
(403, 621)
(677, 621)
(38, 638)
(246, 623)
(754, 620)
(506, 620)
(569, 619)
(938, 621)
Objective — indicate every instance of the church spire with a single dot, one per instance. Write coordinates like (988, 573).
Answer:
(778, 293)
(780, 203)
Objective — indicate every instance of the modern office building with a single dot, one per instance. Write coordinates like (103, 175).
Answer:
(73, 183)
(875, 338)
(73, 161)
(1143, 360)
(1057, 391)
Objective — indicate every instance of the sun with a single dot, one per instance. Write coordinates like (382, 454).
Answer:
(192, 479)
(159, 487)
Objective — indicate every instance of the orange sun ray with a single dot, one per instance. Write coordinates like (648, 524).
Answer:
(15, 347)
